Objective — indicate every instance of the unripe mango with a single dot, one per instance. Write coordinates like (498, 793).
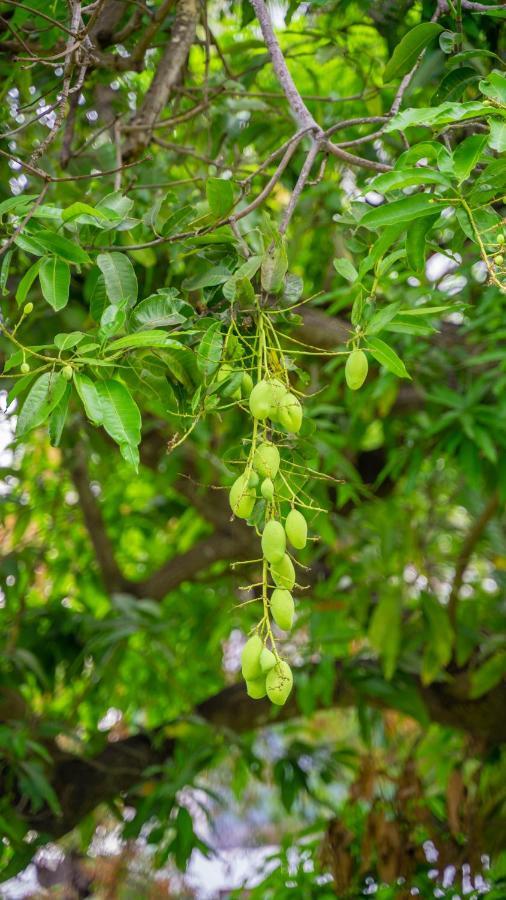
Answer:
(25, 368)
(273, 541)
(266, 460)
(260, 400)
(279, 683)
(256, 688)
(267, 489)
(267, 660)
(355, 370)
(67, 373)
(226, 371)
(296, 529)
(283, 573)
(253, 479)
(242, 497)
(28, 309)
(278, 392)
(246, 384)
(290, 413)
(250, 658)
(282, 608)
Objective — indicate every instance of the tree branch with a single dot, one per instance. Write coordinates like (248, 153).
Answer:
(120, 766)
(166, 76)
(464, 558)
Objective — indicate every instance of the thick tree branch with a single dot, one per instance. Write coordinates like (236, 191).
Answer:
(166, 76)
(120, 766)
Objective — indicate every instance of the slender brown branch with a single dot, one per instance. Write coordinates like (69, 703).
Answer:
(467, 549)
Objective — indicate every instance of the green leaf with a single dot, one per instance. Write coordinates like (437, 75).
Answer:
(274, 268)
(497, 137)
(346, 268)
(66, 341)
(387, 357)
(437, 115)
(382, 318)
(159, 311)
(60, 246)
(494, 87)
(210, 278)
(86, 388)
(439, 639)
(399, 211)
(54, 275)
(454, 84)
(385, 630)
(27, 281)
(119, 276)
(408, 50)
(143, 339)
(75, 210)
(120, 418)
(415, 245)
(488, 675)
(58, 417)
(112, 320)
(220, 196)
(402, 178)
(44, 394)
(209, 349)
(467, 154)
(16, 204)
(4, 272)
(426, 310)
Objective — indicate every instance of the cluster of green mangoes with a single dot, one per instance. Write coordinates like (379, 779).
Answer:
(264, 671)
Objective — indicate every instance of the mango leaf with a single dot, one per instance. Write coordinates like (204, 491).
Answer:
(346, 268)
(4, 272)
(415, 245)
(120, 418)
(274, 268)
(439, 641)
(467, 154)
(387, 357)
(454, 84)
(497, 137)
(401, 178)
(382, 318)
(488, 675)
(44, 394)
(16, 204)
(408, 50)
(385, 630)
(399, 211)
(437, 115)
(86, 388)
(494, 87)
(143, 339)
(112, 320)
(60, 246)
(54, 276)
(119, 276)
(27, 281)
(209, 349)
(58, 417)
(75, 210)
(220, 196)
(66, 341)
(210, 278)
(159, 311)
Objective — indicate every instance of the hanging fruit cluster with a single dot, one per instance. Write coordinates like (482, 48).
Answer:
(277, 414)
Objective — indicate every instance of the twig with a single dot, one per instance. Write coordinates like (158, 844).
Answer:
(473, 536)
(299, 187)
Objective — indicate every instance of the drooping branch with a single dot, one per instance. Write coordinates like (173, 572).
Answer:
(121, 765)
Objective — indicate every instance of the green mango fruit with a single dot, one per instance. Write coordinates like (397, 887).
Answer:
(242, 497)
(296, 529)
(256, 688)
(267, 489)
(279, 683)
(290, 413)
(278, 392)
(273, 541)
(267, 660)
(226, 371)
(282, 608)
(250, 658)
(253, 479)
(246, 384)
(355, 370)
(266, 460)
(260, 400)
(283, 573)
